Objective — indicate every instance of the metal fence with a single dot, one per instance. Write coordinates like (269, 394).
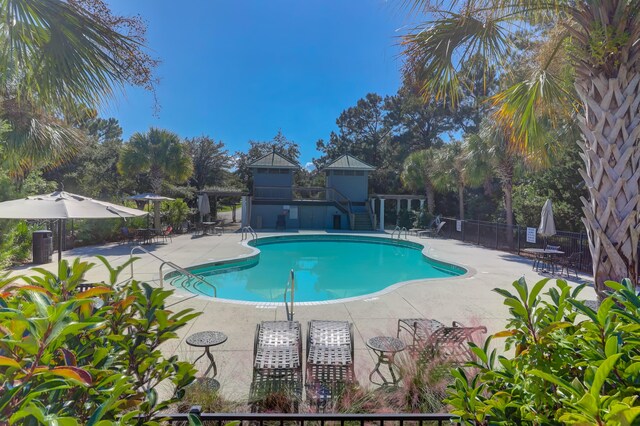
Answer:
(513, 239)
(320, 419)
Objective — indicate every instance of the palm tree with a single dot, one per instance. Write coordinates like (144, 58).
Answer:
(489, 154)
(452, 172)
(54, 56)
(160, 154)
(592, 46)
(417, 174)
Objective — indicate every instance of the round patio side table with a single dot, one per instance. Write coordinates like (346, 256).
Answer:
(207, 339)
(386, 348)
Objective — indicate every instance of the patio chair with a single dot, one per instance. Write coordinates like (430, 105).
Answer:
(419, 329)
(329, 360)
(434, 233)
(450, 344)
(277, 363)
(571, 262)
(166, 233)
(126, 236)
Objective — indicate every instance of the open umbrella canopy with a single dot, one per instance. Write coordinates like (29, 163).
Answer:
(63, 205)
(147, 196)
(547, 226)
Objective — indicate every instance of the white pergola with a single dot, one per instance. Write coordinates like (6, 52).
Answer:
(398, 199)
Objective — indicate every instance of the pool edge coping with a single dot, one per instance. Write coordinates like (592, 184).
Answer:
(470, 272)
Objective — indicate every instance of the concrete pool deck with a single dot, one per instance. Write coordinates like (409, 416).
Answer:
(467, 299)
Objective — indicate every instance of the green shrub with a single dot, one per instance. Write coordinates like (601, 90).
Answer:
(572, 364)
(15, 243)
(97, 231)
(86, 357)
(423, 219)
(406, 218)
(175, 212)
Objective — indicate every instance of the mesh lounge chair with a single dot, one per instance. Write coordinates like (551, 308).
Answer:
(434, 233)
(451, 343)
(329, 359)
(277, 362)
(419, 329)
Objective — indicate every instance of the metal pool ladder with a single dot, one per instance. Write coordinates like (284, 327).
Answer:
(248, 231)
(400, 230)
(186, 280)
(291, 284)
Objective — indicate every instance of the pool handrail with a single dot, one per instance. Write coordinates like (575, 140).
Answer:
(290, 285)
(248, 230)
(176, 268)
(397, 228)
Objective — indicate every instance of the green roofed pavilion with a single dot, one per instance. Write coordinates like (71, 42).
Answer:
(347, 162)
(273, 161)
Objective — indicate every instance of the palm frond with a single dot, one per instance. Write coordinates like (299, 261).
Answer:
(57, 55)
(520, 107)
(437, 50)
(34, 140)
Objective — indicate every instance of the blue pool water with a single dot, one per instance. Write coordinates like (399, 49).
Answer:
(326, 267)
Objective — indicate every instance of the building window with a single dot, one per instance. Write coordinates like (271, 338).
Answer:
(262, 171)
(284, 171)
(338, 172)
(359, 173)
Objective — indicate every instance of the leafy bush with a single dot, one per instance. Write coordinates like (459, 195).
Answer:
(572, 364)
(423, 219)
(175, 212)
(15, 243)
(405, 218)
(92, 231)
(86, 357)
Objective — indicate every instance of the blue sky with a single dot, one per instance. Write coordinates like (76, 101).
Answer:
(241, 70)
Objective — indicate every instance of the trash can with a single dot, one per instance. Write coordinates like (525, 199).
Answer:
(336, 221)
(42, 246)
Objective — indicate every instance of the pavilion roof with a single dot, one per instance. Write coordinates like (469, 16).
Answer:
(273, 160)
(347, 162)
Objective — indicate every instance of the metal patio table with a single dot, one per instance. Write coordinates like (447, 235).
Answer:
(207, 339)
(386, 348)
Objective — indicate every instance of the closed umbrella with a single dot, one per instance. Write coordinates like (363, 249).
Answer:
(203, 205)
(63, 205)
(547, 226)
(156, 199)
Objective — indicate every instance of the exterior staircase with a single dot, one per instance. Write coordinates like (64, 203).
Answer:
(362, 222)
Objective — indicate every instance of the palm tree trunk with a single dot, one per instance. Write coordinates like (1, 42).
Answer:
(155, 177)
(461, 200)
(431, 197)
(507, 189)
(610, 130)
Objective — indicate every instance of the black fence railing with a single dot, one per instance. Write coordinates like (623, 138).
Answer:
(513, 239)
(308, 419)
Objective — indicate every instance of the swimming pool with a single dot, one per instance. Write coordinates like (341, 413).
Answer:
(326, 267)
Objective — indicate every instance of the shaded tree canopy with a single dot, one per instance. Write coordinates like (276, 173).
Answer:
(210, 161)
(279, 144)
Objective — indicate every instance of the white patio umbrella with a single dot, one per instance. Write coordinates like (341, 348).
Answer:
(547, 226)
(156, 199)
(203, 205)
(63, 205)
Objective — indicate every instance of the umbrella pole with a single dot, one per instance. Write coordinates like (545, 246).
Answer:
(60, 240)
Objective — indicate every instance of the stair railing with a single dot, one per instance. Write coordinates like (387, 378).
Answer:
(372, 215)
(399, 230)
(290, 286)
(248, 231)
(198, 279)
